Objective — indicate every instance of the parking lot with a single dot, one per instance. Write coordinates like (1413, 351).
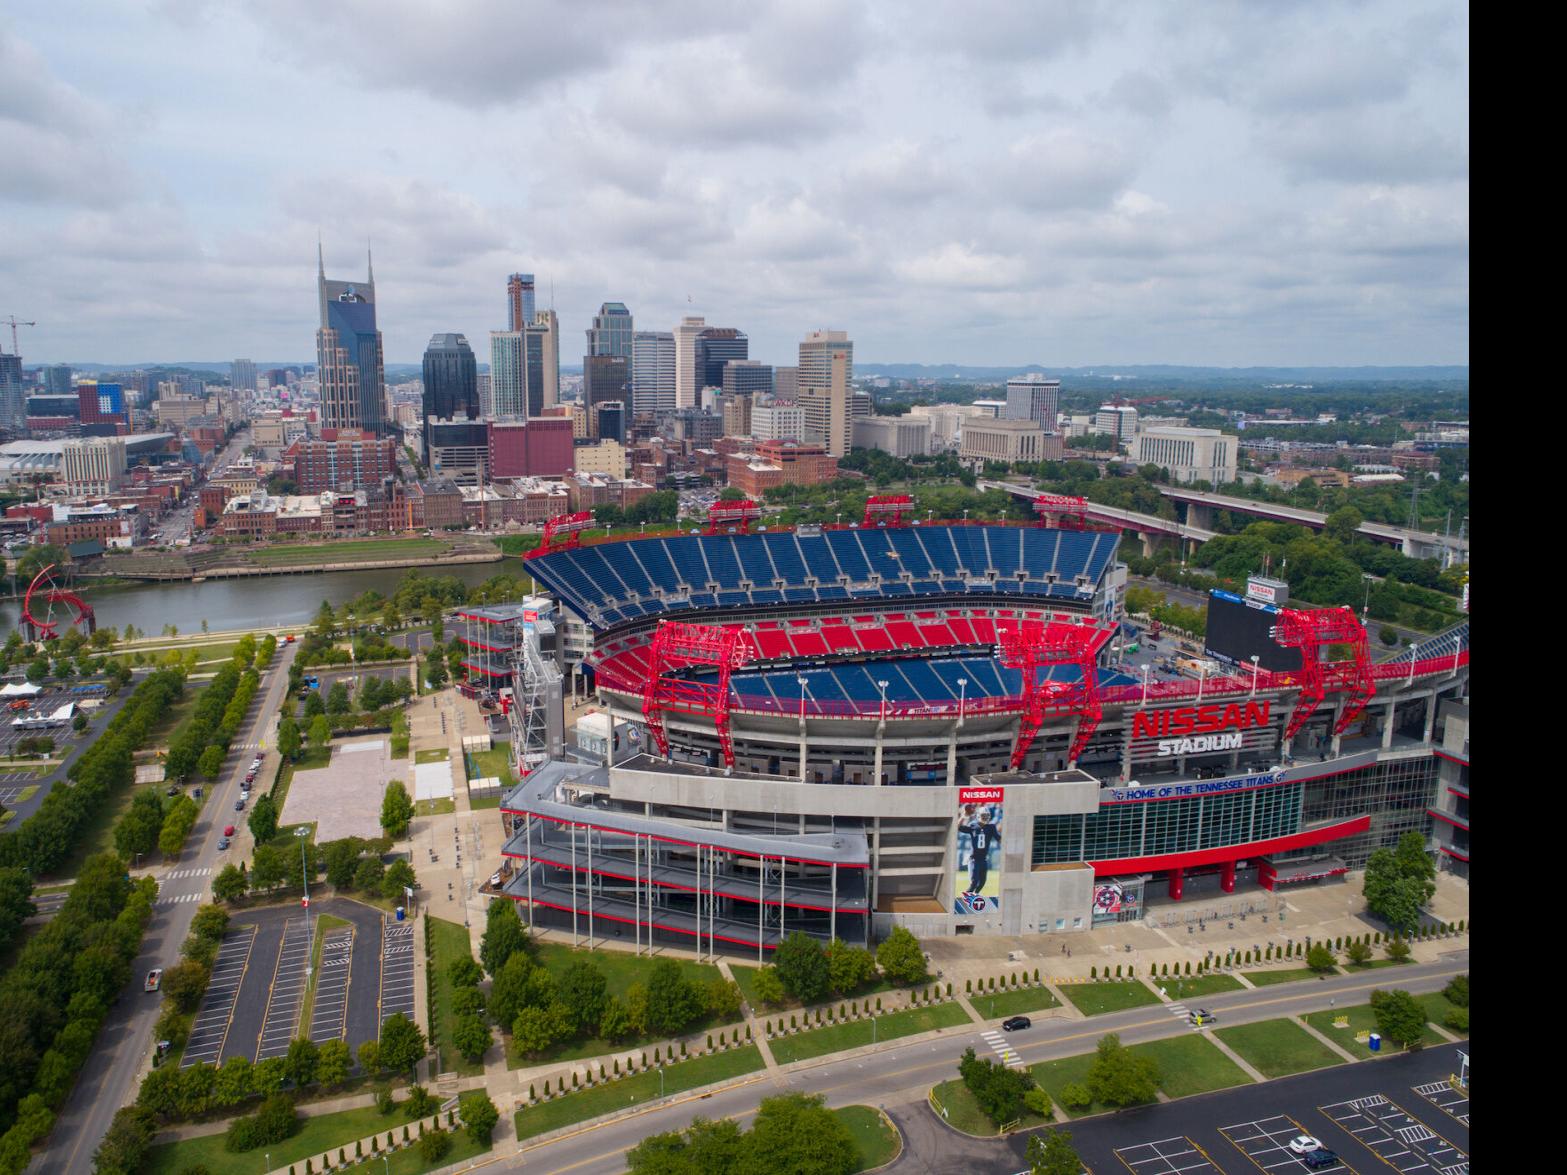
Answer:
(1401, 1141)
(1398, 1110)
(1168, 1156)
(210, 1030)
(397, 969)
(253, 1006)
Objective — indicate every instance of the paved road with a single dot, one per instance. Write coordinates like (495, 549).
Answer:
(69, 744)
(113, 1071)
(903, 1073)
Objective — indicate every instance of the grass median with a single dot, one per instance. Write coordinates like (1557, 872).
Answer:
(325, 924)
(1289, 975)
(852, 1034)
(584, 1104)
(448, 942)
(875, 1137)
(1359, 1020)
(1011, 1003)
(958, 1109)
(1277, 1048)
(1192, 987)
(1095, 999)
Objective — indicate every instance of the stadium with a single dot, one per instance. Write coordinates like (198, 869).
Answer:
(949, 726)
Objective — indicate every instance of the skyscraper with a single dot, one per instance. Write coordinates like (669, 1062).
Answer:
(243, 375)
(652, 372)
(525, 369)
(716, 346)
(1033, 397)
(519, 301)
(604, 380)
(451, 381)
(57, 379)
(13, 400)
(826, 402)
(348, 353)
(611, 332)
(816, 357)
(687, 377)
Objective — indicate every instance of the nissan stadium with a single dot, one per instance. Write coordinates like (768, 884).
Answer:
(953, 727)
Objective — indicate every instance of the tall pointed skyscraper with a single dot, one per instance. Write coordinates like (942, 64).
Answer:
(349, 357)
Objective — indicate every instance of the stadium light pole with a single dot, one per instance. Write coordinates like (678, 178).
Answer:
(1202, 680)
(1254, 675)
(962, 693)
(1365, 607)
(302, 832)
(1145, 683)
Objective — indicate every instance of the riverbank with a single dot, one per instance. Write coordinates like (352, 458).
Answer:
(290, 559)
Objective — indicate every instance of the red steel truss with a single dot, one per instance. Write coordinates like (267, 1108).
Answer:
(46, 627)
(888, 507)
(571, 525)
(721, 515)
(1033, 646)
(679, 646)
(1312, 632)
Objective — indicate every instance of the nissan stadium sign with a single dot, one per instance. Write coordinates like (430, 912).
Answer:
(1206, 787)
(1198, 730)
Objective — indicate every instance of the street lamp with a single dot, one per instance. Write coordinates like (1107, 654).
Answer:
(302, 832)
(1254, 675)
(1365, 607)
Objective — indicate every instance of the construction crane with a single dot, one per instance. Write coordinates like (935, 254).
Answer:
(15, 322)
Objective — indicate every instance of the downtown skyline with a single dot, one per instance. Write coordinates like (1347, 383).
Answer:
(1225, 187)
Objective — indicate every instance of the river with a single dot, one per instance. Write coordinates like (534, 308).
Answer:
(244, 602)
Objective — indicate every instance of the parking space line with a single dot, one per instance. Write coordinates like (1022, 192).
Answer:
(217, 1004)
(1452, 1102)
(397, 970)
(1396, 1136)
(286, 992)
(1167, 1156)
(329, 1016)
(1265, 1143)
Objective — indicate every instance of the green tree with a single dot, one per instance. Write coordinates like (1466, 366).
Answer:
(38, 670)
(333, 1062)
(314, 706)
(1399, 882)
(533, 1031)
(288, 740)
(137, 830)
(1358, 951)
(1400, 1016)
(901, 958)
(464, 972)
(402, 1043)
(701, 1148)
(230, 884)
(16, 902)
(211, 762)
(722, 999)
(303, 1056)
(796, 1132)
(397, 810)
(125, 1145)
(368, 874)
(320, 731)
(583, 990)
(508, 991)
(370, 1057)
(337, 699)
(1342, 525)
(1319, 958)
(615, 1024)
(210, 922)
(503, 937)
(1051, 1153)
(471, 1036)
(398, 878)
(271, 868)
(673, 1001)
(802, 967)
(184, 983)
(849, 968)
(264, 819)
(1119, 1077)
(234, 1082)
(769, 988)
(1398, 950)
(479, 1116)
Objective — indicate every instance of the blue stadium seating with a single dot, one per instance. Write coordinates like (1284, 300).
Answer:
(604, 582)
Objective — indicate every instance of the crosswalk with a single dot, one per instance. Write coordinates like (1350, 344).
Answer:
(174, 899)
(178, 873)
(1003, 1049)
(1181, 1012)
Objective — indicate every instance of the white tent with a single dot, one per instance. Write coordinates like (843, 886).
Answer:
(24, 689)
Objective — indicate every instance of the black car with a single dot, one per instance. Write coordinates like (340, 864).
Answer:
(1017, 1022)
(1318, 1159)
(239, 805)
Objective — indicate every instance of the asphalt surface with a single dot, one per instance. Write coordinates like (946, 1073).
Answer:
(113, 1071)
(900, 1074)
(68, 744)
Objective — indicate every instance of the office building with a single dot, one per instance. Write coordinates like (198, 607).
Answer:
(611, 421)
(1033, 397)
(451, 381)
(541, 447)
(652, 372)
(94, 466)
(349, 460)
(100, 403)
(1119, 421)
(786, 382)
(826, 404)
(716, 346)
(946, 423)
(612, 333)
(242, 375)
(817, 352)
(349, 359)
(776, 420)
(985, 439)
(776, 463)
(13, 396)
(1189, 454)
(900, 436)
(519, 301)
(736, 411)
(605, 379)
(57, 379)
(524, 369)
(747, 377)
(687, 374)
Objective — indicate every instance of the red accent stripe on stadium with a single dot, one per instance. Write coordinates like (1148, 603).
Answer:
(683, 888)
(674, 840)
(1451, 758)
(745, 942)
(1218, 856)
(1446, 819)
(1455, 853)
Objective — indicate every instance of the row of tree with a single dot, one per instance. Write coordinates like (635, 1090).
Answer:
(203, 741)
(350, 865)
(55, 830)
(57, 994)
(791, 1132)
(805, 970)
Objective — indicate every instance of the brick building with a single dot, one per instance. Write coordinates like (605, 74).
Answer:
(775, 463)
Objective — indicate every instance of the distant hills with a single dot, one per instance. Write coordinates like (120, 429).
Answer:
(1164, 373)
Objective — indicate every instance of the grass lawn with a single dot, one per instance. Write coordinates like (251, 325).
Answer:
(1093, 999)
(1054, 1076)
(1278, 1048)
(479, 803)
(856, 1033)
(1010, 1003)
(1437, 1007)
(494, 763)
(1289, 975)
(584, 1104)
(874, 1137)
(432, 755)
(962, 1112)
(1360, 1020)
(1191, 987)
(1191, 1064)
(441, 807)
(319, 1133)
(621, 969)
(324, 923)
(1374, 964)
(344, 552)
(449, 941)
(173, 718)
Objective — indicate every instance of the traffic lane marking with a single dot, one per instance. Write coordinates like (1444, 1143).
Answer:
(1395, 1135)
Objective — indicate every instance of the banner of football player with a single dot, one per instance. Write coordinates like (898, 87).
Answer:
(977, 888)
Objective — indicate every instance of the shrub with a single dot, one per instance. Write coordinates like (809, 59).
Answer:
(1457, 1019)
(1075, 1096)
(1037, 1101)
(1457, 991)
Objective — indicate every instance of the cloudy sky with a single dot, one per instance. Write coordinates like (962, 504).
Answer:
(977, 181)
